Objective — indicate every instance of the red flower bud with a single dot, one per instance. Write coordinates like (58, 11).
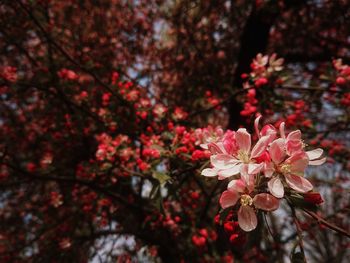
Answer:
(261, 81)
(203, 232)
(313, 198)
(198, 241)
(340, 81)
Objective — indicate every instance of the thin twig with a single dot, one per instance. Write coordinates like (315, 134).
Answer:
(328, 224)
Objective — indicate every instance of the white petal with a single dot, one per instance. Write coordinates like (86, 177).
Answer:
(314, 154)
(230, 171)
(210, 172)
(318, 162)
(223, 161)
(204, 146)
(276, 187)
(254, 168)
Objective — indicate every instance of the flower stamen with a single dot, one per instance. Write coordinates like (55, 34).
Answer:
(285, 168)
(243, 156)
(246, 200)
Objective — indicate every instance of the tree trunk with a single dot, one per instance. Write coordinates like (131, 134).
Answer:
(254, 40)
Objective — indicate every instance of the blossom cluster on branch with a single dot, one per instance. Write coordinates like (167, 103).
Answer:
(262, 174)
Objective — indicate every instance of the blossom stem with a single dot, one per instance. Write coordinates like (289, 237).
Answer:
(299, 231)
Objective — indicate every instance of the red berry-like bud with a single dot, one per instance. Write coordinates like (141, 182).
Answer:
(203, 232)
(313, 198)
(340, 81)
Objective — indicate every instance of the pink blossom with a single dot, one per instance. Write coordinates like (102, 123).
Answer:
(288, 162)
(208, 135)
(291, 170)
(238, 191)
(294, 143)
(234, 155)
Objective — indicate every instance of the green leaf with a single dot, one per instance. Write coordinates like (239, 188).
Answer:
(161, 177)
(157, 147)
(156, 196)
(155, 191)
(159, 204)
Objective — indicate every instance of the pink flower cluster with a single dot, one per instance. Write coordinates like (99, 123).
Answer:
(260, 175)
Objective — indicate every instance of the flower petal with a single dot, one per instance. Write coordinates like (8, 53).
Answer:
(266, 202)
(314, 154)
(318, 162)
(243, 140)
(254, 168)
(229, 143)
(260, 146)
(223, 161)
(247, 218)
(215, 148)
(277, 150)
(237, 185)
(230, 171)
(294, 143)
(298, 183)
(276, 187)
(294, 135)
(256, 125)
(269, 169)
(298, 161)
(210, 172)
(228, 198)
(247, 178)
(282, 130)
(270, 130)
